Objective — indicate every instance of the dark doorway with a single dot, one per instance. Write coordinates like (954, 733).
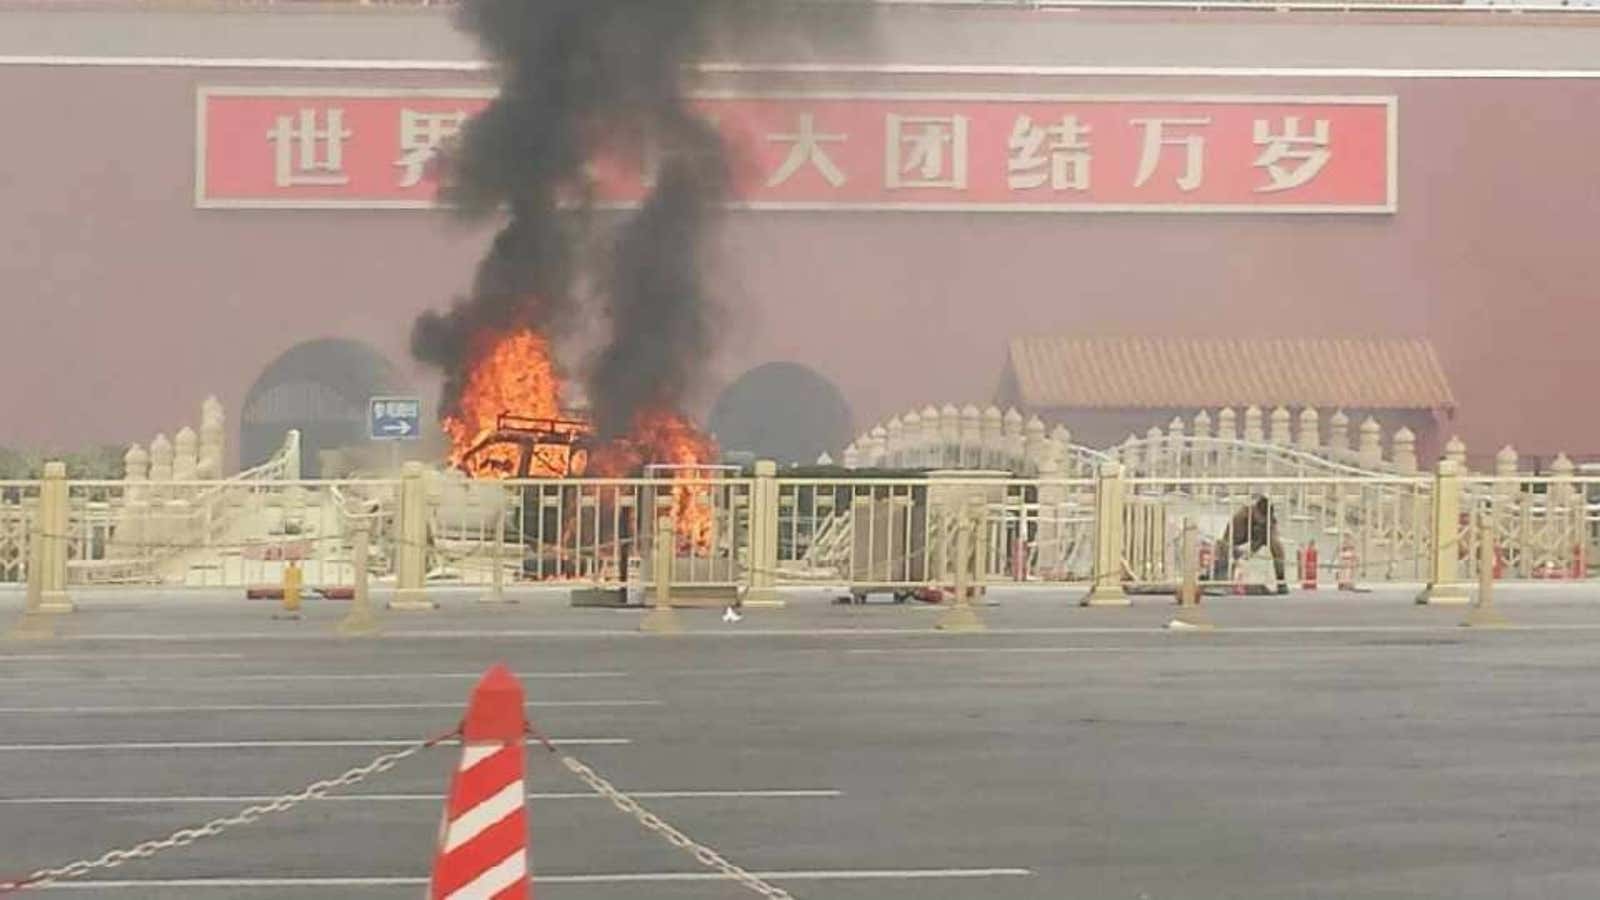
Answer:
(782, 411)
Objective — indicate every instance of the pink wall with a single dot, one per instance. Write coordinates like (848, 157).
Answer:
(124, 305)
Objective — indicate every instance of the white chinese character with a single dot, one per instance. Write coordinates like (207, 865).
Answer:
(926, 152)
(421, 136)
(1068, 160)
(306, 154)
(1311, 150)
(1155, 138)
(808, 148)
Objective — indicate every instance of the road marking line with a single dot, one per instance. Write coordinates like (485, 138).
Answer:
(877, 631)
(97, 657)
(1163, 649)
(268, 745)
(910, 630)
(304, 707)
(544, 878)
(397, 677)
(421, 798)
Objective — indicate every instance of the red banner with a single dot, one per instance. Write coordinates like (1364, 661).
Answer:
(335, 148)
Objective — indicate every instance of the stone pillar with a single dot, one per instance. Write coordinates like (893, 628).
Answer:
(1108, 505)
(949, 437)
(852, 457)
(1370, 452)
(992, 434)
(971, 438)
(135, 465)
(1152, 452)
(1445, 586)
(1561, 472)
(1203, 452)
(161, 459)
(1252, 426)
(185, 455)
(911, 440)
(763, 580)
(412, 553)
(1177, 448)
(213, 439)
(1227, 429)
(51, 526)
(1456, 452)
(1280, 427)
(1012, 427)
(1339, 432)
(1033, 442)
(894, 449)
(1507, 494)
(932, 435)
(877, 447)
(1310, 430)
(1405, 451)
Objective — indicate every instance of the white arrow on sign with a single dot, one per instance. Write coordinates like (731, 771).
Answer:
(401, 427)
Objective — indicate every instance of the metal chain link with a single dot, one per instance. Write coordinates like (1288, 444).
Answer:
(706, 856)
(188, 836)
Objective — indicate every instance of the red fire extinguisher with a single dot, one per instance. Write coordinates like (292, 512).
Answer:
(1308, 567)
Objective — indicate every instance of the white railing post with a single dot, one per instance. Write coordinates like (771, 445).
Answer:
(1280, 427)
(1444, 569)
(1014, 441)
(51, 535)
(1252, 426)
(411, 556)
(213, 442)
(1339, 434)
(1404, 451)
(1310, 433)
(1370, 452)
(763, 575)
(1108, 507)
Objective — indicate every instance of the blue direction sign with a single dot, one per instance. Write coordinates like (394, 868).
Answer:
(394, 418)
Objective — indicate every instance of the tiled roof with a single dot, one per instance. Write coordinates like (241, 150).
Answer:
(1101, 373)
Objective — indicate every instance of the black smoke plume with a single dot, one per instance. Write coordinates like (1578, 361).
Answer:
(589, 79)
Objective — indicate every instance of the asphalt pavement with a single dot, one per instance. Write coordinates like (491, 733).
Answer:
(1313, 746)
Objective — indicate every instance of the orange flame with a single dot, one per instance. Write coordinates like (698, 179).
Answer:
(515, 374)
(662, 437)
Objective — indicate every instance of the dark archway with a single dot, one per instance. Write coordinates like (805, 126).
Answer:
(782, 411)
(320, 387)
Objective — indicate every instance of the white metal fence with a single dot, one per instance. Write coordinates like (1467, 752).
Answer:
(861, 534)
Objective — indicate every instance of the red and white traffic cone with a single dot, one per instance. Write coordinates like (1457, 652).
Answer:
(483, 842)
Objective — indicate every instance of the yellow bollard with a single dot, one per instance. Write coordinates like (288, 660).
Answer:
(1483, 614)
(291, 593)
(662, 618)
(961, 617)
(361, 621)
(1190, 617)
(35, 624)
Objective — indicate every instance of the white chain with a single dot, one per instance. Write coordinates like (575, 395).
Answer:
(215, 827)
(707, 857)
